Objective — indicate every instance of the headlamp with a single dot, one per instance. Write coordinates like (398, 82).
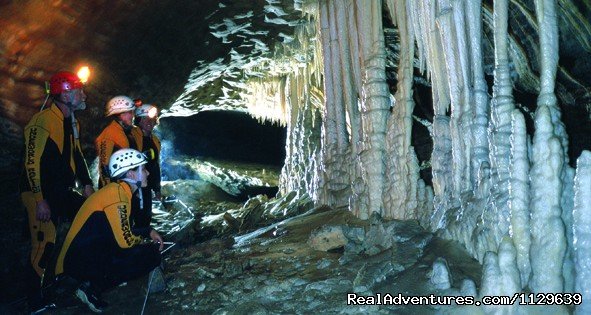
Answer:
(83, 74)
(153, 112)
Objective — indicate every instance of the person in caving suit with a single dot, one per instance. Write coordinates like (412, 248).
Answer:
(101, 249)
(146, 118)
(53, 167)
(119, 134)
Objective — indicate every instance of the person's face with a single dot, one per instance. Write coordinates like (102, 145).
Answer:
(135, 175)
(127, 118)
(76, 97)
(145, 174)
(147, 124)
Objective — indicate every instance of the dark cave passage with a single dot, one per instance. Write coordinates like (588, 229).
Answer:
(225, 135)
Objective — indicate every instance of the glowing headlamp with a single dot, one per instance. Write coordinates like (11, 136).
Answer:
(83, 74)
(153, 112)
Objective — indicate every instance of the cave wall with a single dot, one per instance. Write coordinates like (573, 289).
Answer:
(142, 49)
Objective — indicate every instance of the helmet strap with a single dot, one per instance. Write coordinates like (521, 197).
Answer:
(124, 126)
(138, 183)
(74, 126)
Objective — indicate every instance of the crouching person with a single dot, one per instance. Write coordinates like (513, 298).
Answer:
(100, 249)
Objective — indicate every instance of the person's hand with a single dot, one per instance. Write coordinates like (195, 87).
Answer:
(158, 195)
(157, 239)
(43, 211)
(88, 190)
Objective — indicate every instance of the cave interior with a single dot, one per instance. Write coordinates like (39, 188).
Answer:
(324, 155)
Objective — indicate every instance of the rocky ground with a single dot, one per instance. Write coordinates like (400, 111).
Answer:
(282, 256)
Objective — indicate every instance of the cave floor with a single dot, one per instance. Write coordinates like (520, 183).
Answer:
(215, 269)
(274, 271)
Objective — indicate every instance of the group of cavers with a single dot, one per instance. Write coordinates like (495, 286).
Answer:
(110, 240)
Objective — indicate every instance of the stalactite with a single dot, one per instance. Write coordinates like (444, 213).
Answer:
(582, 232)
(453, 37)
(329, 146)
(339, 79)
(348, 43)
(400, 194)
(465, 119)
(434, 53)
(519, 195)
(334, 139)
(300, 169)
(350, 87)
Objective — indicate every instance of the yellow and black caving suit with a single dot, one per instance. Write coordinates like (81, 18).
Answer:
(101, 247)
(145, 143)
(114, 137)
(53, 161)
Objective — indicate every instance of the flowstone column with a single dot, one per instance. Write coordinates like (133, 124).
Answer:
(335, 162)
(400, 194)
(374, 101)
(453, 38)
(442, 145)
(481, 108)
(502, 107)
(549, 240)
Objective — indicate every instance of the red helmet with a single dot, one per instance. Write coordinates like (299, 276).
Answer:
(64, 81)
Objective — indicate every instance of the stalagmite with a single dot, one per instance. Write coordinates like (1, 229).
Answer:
(501, 277)
(441, 163)
(491, 277)
(519, 195)
(549, 233)
(548, 29)
(547, 229)
(582, 231)
(568, 268)
(510, 278)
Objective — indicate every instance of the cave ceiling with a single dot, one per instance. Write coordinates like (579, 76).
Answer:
(189, 56)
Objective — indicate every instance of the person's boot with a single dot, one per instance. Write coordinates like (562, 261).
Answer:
(91, 298)
(39, 304)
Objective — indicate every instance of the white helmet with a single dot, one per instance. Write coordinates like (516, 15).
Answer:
(124, 160)
(146, 110)
(119, 104)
